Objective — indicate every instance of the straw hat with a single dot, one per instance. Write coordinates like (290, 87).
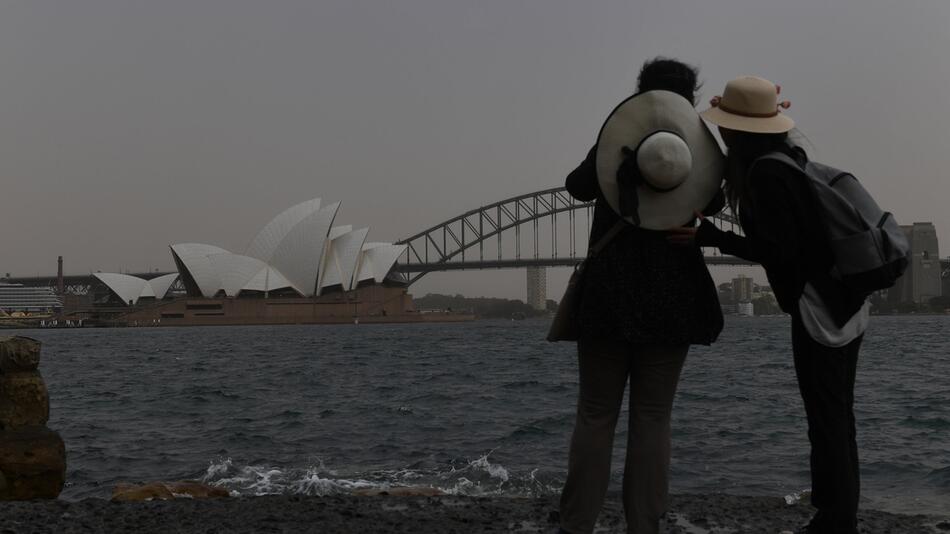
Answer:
(750, 104)
(679, 162)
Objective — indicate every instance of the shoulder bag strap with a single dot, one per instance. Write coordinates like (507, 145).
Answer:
(602, 242)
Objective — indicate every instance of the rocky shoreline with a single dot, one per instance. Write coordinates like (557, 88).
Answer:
(691, 514)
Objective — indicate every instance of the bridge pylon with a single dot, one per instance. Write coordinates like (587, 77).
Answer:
(537, 290)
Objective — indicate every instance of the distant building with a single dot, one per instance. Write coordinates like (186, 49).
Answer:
(18, 298)
(299, 253)
(725, 294)
(742, 296)
(921, 282)
(764, 290)
(537, 288)
(742, 288)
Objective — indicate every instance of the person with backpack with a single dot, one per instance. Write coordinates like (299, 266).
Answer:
(791, 217)
(641, 302)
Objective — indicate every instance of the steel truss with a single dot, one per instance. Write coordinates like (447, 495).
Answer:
(460, 243)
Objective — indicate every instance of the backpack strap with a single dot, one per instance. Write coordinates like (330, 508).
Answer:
(780, 157)
(602, 242)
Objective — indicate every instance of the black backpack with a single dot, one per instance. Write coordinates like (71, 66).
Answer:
(870, 249)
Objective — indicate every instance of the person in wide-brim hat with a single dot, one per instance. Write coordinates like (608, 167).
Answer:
(642, 302)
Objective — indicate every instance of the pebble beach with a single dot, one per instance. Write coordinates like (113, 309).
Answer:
(690, 514)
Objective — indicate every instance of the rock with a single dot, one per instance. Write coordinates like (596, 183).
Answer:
(420, 491)
(19, 354)
(24, 400)
(164, 491)
(32, 463)
(146, 492)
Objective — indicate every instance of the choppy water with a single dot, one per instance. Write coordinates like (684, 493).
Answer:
(477, 408)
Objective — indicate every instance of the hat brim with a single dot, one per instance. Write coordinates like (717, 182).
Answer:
(777, 124)
(640, 116)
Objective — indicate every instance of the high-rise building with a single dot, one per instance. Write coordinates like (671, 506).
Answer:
(537, 287)
(921, 281)
(742, 289)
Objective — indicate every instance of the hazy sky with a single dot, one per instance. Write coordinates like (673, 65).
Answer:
(129, 125)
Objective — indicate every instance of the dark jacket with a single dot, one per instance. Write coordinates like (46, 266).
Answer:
(783, 232)
(640, 288)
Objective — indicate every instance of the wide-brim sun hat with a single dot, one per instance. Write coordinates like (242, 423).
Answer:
(750, 104)
(677, 156)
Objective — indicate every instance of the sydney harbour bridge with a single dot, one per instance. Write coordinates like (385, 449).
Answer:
(546, 228)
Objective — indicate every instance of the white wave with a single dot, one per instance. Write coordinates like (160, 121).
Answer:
(796, 497)
(479, 477)
(494, 470)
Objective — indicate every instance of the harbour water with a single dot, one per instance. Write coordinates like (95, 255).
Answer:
(481, 408)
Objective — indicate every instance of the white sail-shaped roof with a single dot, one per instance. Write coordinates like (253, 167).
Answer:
(265, 244)
(376, 260)
(235, 271)
(128, 288)
(239, 272)
(147, 290)
(194, 257)
(342, 259)
(160, 285)
(267, 279)
(337, 231)
(364, 267)
(300, 252)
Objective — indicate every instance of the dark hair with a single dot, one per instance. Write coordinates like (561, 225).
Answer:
(743, 149)
(670, 75)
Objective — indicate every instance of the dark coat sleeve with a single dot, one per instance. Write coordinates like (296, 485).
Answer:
(715, 205)
(582, 181)
(773, 239)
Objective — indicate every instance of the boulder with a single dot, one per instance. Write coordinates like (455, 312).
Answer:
(164, 491)
(408, 491)
(24, 400)
(32, 463)
(19, 354)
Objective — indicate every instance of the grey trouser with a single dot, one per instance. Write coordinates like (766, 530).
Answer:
(604, 367)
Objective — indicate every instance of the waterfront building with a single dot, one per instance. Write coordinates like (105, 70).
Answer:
(728, 309)
(537, 288)
(299, 269)
(742, 288)
(922, 279)
(745, 309)
(18, 298)
(299, 253)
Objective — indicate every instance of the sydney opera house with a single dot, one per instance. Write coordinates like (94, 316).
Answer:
(300, 268)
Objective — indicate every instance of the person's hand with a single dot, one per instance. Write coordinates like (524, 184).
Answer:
(684, 235)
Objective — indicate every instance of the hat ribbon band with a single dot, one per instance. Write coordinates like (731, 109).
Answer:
(746, 113)
(659, 189)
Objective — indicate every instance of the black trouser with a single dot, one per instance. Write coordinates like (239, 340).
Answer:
(605, 367)
(826, 381)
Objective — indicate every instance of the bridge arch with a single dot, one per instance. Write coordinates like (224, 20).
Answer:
(460, 242)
